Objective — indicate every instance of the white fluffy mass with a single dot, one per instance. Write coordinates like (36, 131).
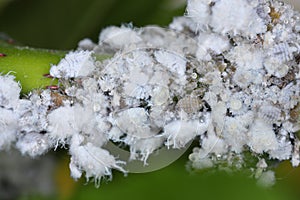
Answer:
(9, 91)
(33, 144)
(119, 37)
(236, 17)
(8, 128)
(226, 75)
(94, 161)
(9, 99)
(262, 137)
(226, 16)
(199, 11)
(75, 64)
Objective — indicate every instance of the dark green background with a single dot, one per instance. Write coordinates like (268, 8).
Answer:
(60, 24)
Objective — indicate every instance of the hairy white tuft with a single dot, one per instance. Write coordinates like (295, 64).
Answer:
(94, 161)
(75, 64)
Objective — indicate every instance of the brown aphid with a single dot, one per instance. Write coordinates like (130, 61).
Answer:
(291, 76)
(221, 66)
(295, 114)
(57, 99)
(258, 40)
(297, 59)
(189, 104)
(275, 16)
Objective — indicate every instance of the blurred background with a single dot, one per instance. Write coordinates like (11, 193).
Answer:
(60, 24)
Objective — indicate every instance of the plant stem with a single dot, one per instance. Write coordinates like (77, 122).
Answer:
(28, 65)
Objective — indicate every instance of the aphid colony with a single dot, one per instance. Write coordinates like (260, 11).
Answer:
(226, 74)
